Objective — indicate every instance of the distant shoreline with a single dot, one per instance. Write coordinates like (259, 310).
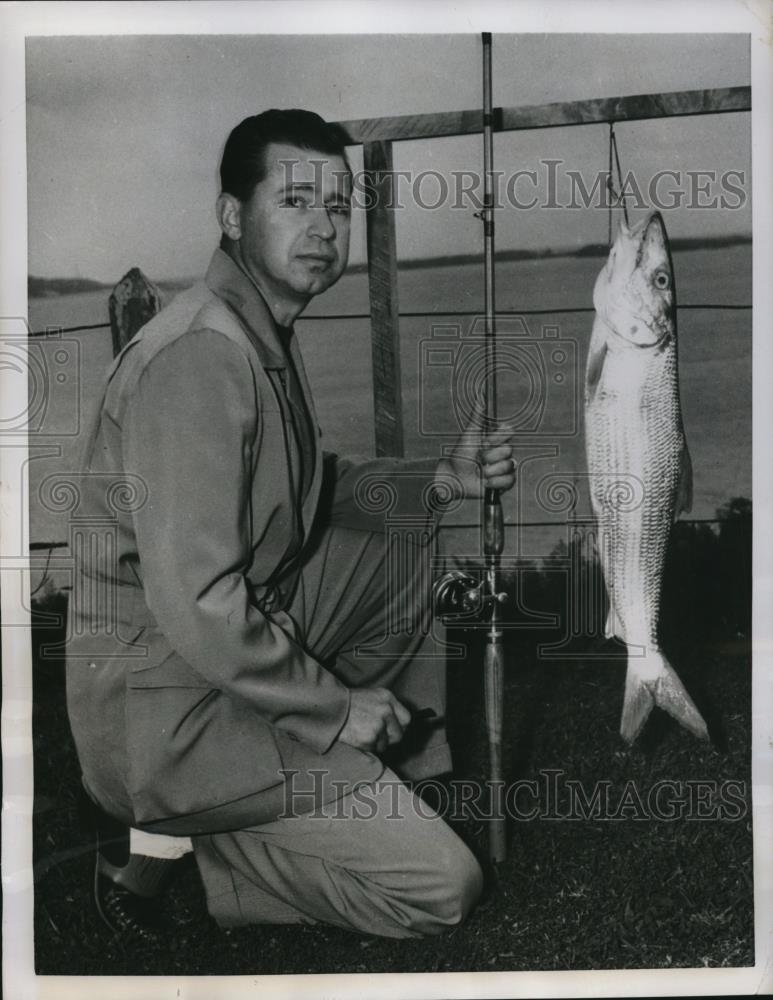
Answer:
(587, 250)
(38, 287)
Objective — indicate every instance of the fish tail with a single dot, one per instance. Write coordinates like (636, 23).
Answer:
(637, 704)
(649, 681)
(613, 626)
(671, 696)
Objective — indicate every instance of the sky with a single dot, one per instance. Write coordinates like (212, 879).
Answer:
(124, 134)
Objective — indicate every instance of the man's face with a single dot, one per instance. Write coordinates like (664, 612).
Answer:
(295, 228)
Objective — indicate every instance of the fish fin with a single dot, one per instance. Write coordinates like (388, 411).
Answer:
(670, 695)
(637, 705)
(684, 492)
(653, 681)
(613, 626)
(597, 353)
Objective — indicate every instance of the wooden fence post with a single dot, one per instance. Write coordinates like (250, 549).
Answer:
(133, 302)
(384, 306)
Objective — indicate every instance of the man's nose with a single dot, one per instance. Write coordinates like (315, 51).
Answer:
(321, 224)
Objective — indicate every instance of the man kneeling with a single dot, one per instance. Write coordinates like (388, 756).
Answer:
(247, 656)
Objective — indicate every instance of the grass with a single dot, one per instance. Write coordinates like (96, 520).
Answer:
(630, 892)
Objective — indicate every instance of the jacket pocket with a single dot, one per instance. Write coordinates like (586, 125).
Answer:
(162, 667)
(192, 751)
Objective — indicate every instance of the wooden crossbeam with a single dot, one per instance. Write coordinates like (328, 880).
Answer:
(603, 109)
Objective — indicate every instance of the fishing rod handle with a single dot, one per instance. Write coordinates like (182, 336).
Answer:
(493, 524)
(493, 674)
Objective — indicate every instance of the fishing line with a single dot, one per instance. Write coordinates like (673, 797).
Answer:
(621, 195)
(617, 197)
(44, 578)
(610, 186)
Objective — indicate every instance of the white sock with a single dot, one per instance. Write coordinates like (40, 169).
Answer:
(158, 845)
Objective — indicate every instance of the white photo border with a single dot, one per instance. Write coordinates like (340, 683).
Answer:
(18, 21)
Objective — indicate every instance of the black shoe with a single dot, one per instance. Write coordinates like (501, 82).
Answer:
(127, 887)
(128, 915)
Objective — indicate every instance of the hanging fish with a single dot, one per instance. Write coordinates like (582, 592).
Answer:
(640, 470)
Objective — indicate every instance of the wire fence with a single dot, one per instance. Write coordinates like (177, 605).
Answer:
(420, 314)
(50, 547)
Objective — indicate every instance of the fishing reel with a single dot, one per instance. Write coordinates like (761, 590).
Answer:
(458, 593)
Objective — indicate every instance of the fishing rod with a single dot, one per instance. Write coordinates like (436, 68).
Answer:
(492, 518)
(457, 592)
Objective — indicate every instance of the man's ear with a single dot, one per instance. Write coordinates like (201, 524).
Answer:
(229, 215)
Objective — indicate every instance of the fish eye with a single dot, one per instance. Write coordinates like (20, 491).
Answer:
(662, 280)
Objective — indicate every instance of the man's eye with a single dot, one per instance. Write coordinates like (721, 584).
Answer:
(343, 210)
(294, 201)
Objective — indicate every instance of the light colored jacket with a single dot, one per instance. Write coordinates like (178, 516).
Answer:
(188, 690)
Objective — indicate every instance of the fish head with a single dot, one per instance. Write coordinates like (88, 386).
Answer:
(634, 293)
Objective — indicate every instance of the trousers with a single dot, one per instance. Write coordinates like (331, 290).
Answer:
(375, 860)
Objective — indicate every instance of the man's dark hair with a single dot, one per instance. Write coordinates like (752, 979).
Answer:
(243, 163)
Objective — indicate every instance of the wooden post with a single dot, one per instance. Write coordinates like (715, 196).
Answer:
(384, 307)
(133, 302)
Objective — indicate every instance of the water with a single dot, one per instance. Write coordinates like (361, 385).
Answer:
(715, 351)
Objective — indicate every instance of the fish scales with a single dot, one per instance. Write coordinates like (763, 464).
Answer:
(637, 459)
(639, 445)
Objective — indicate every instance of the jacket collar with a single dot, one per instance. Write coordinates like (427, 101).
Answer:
(229, 282)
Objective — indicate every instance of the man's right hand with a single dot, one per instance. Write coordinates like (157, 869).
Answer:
(376, 720)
